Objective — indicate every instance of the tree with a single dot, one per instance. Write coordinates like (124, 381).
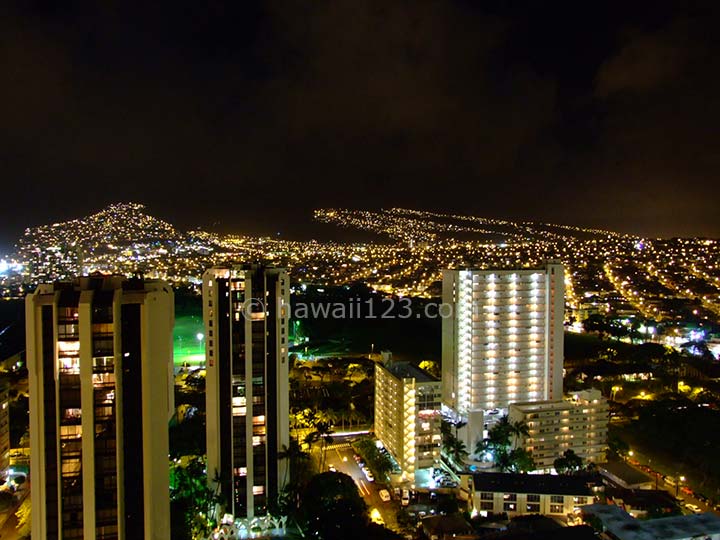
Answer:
(521, 461)
(331, 508)
(498, 439)
(6, 500)
(518, 430)
(618, 446)
(192, 501)
(295, 455)
(458, 452)
(432, 367)
(568, 463)
(507, 456)
(23, 515)
(596, 323)
(379, 462)
(323, 431)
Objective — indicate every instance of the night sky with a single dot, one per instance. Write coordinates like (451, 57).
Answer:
(241, 116)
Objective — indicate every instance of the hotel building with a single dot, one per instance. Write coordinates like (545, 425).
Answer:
(246, 311)
(502, 341)
(99, 353)
(407, 416)
(578, 423)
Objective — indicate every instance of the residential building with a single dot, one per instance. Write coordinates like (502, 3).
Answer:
(4, 425)
(578, 423)
(99, 353)
(518, 494)
(407, 416)
(502, 341)
(618, 524)
(246, 309)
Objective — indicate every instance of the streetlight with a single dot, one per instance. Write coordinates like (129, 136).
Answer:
(677, 485)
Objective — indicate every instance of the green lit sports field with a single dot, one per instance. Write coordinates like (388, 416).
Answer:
(187, 347)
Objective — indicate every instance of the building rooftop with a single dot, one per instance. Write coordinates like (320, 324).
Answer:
(452, 525)
(543, 484)
(625, 472)
(405, 370)
(641, 498)
(624, 527)
(581, 532)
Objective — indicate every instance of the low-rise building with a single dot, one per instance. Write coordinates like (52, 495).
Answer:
(518, 494)
(620, 474)
(578, 423)
(407, 416)
(618, 524)
(641, 503)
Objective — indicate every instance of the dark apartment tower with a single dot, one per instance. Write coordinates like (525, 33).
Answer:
(246, 311)
(99, 353)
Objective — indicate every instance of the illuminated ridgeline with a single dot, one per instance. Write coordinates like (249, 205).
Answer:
(578, 423)
(99, 353)
(407, 415)
(246, 313)
(503, 342)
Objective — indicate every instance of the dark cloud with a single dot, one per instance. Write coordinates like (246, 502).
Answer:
(248, 115)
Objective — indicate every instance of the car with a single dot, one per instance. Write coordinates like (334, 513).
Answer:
(369, 475)
(693, 508)
(701, 497)
(332, 468)
(405, 499)
(384, 495)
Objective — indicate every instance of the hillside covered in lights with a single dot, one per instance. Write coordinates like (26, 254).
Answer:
(658, 279)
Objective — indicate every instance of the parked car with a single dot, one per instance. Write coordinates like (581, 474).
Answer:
(405, 499)
(384, 495)
(693, 508)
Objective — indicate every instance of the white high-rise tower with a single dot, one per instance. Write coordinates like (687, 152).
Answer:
(503, 341)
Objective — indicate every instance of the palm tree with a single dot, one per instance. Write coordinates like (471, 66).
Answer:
(458, 452)
(323, 432)
(518, 430)
(294, 454)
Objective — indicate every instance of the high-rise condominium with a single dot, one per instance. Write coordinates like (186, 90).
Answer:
(502, 341)
(246, 311)
(99, 353)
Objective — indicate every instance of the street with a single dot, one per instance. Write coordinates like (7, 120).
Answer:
(341, 456)
(641, 462)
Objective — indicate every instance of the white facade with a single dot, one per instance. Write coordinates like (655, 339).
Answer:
(246, 309)
(407, 416)
(578, 423)
(100, 359)
(519, 494)
(503, 340)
